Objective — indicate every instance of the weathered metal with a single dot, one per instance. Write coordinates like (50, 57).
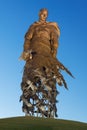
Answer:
(42, 68)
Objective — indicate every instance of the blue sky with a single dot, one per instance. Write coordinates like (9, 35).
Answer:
(15, 18)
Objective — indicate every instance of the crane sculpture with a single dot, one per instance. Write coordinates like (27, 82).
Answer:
(42, 68)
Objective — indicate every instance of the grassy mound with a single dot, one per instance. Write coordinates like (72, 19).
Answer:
(34, 123)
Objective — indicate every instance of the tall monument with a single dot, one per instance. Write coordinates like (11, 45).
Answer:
(42, 68)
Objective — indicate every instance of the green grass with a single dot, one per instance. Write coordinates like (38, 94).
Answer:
(34, 123)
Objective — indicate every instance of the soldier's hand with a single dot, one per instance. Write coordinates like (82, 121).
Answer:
(24, 56)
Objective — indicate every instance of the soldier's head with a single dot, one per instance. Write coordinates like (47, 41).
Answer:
(43, 14)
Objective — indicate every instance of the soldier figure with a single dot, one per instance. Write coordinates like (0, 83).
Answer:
(42, 69)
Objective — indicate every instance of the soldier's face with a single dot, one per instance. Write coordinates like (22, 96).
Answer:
(43, 15)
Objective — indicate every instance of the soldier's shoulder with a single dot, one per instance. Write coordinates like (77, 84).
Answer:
(53, 24)
(33, 24)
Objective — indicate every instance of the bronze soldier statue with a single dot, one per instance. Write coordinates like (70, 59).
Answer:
(42, 69)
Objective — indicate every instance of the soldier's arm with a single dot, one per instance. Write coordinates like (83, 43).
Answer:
(54, 39)
(28, 37)
(26, 48)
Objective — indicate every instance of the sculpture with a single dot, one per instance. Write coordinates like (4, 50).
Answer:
(42, 69)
